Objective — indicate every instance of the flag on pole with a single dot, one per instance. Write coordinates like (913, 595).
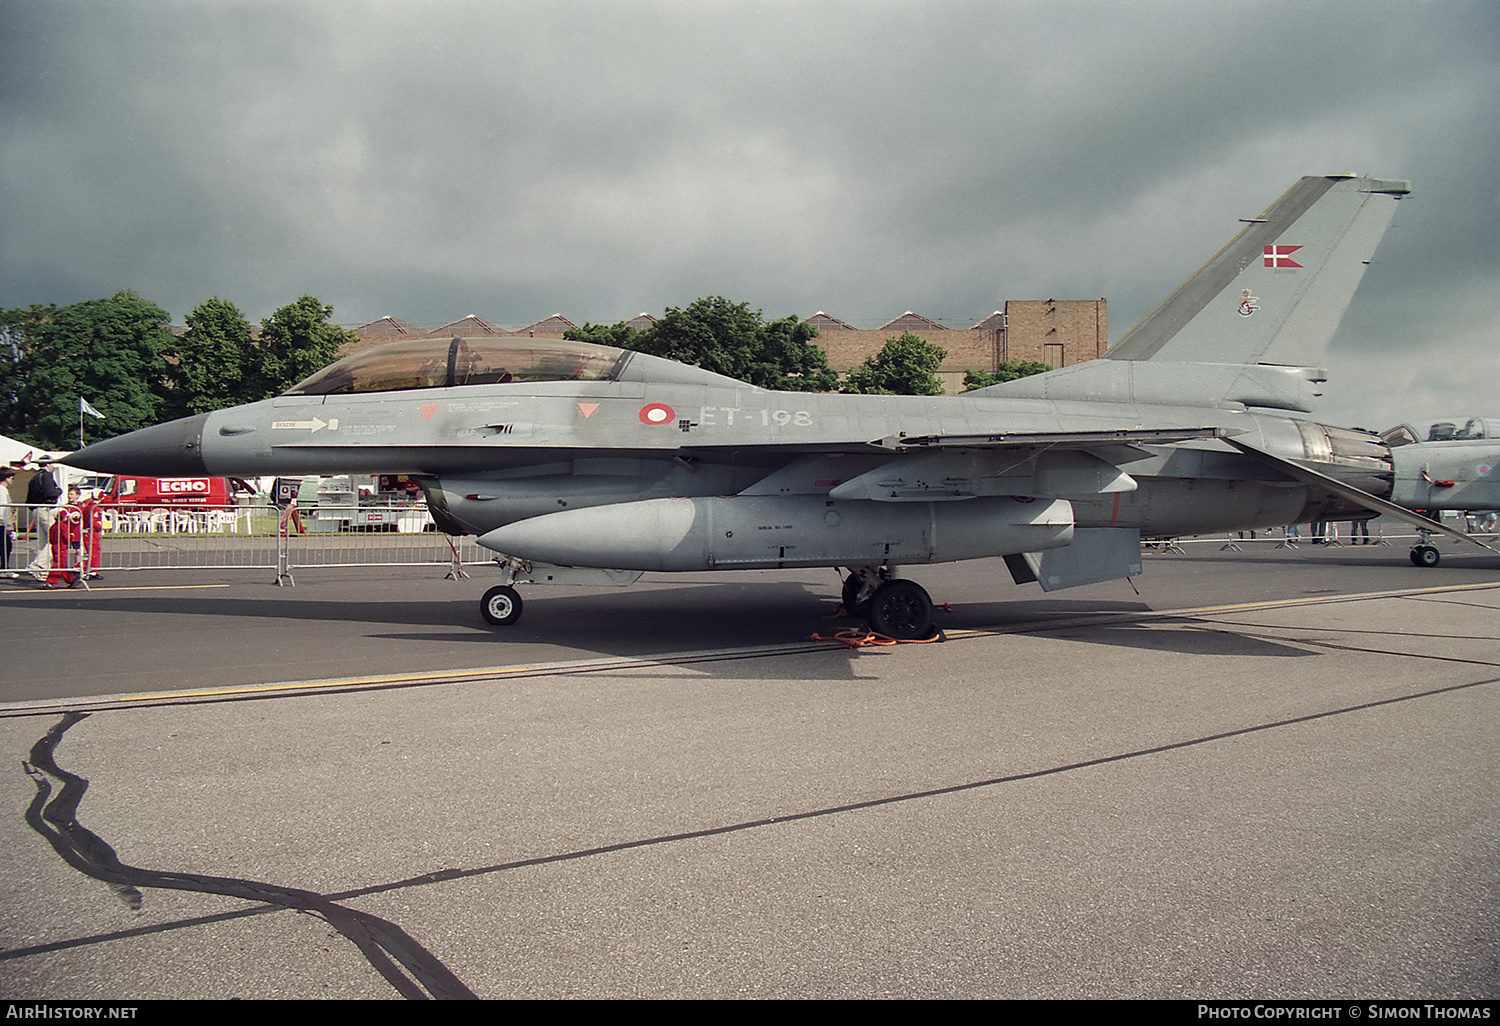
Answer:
(84, 407)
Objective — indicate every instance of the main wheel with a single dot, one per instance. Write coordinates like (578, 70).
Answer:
(852, 605)
(501, 605)
(1425, 555)
(901, 610)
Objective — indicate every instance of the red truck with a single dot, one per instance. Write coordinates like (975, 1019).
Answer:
(155, 492)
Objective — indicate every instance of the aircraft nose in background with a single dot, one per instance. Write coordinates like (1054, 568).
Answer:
(174, 449)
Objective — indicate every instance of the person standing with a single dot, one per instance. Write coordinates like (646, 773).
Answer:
(92, 515)
(66, 535)
(7, 536)
(43, 495)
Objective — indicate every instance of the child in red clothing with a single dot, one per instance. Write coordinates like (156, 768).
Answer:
(65, 534)
(93, 528)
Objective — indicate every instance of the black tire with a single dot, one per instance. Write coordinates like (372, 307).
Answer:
(852, 605)
(901, 610)
(501, 605)
(1425, 555)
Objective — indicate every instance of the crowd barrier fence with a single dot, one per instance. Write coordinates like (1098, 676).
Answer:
(253, 538)
(269, 538)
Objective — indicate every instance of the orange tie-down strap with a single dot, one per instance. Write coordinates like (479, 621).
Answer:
(853, 637)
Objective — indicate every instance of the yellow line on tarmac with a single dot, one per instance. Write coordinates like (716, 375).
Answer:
(475, 674)
(597, 665)
(127, 587)
(260, 689)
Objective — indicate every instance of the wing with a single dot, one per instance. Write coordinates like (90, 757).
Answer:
(1050, 439)
(939, 468)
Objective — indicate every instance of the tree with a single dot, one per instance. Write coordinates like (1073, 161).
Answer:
(905, 365)
(789, 362)
(108, 352)
(731, 339)
(1010, 370)
(712, 333)
(215, 361)
(295, 341)
(12, 376)
(620, 334)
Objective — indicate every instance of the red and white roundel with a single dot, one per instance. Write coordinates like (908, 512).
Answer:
(657, 413)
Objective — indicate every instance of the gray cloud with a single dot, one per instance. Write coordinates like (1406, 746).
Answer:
(430, 160)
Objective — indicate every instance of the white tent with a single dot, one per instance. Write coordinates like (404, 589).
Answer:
(14, 453)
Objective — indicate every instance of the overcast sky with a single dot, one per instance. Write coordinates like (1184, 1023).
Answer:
(603, 157)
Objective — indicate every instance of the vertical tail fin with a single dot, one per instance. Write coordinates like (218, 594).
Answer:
(1277, 292)
(1250, 326)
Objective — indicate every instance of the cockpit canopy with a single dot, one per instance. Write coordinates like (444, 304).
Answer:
(444, 363)
(1447, 429)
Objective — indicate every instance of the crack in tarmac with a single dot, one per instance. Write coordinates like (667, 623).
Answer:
(383, 943)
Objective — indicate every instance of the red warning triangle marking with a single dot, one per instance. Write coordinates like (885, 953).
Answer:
(587, 409)
(428, 409)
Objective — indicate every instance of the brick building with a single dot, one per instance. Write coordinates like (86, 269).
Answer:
(1057, 332)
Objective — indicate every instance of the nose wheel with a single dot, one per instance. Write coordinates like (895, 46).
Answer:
(501, 605)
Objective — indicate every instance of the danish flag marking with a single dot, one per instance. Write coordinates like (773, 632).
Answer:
(1281, 256)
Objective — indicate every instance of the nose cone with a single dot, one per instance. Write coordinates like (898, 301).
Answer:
(174, 449)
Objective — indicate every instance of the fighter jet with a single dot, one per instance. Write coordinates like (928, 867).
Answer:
(1450, 463)
(568, 458)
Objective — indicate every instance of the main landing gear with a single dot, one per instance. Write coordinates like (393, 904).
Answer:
(854, 605)
(1425, 555)
(896, 608)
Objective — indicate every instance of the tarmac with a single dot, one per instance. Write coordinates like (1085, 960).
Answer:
(1258, 774)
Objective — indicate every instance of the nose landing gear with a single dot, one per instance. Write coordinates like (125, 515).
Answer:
(501, 605)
